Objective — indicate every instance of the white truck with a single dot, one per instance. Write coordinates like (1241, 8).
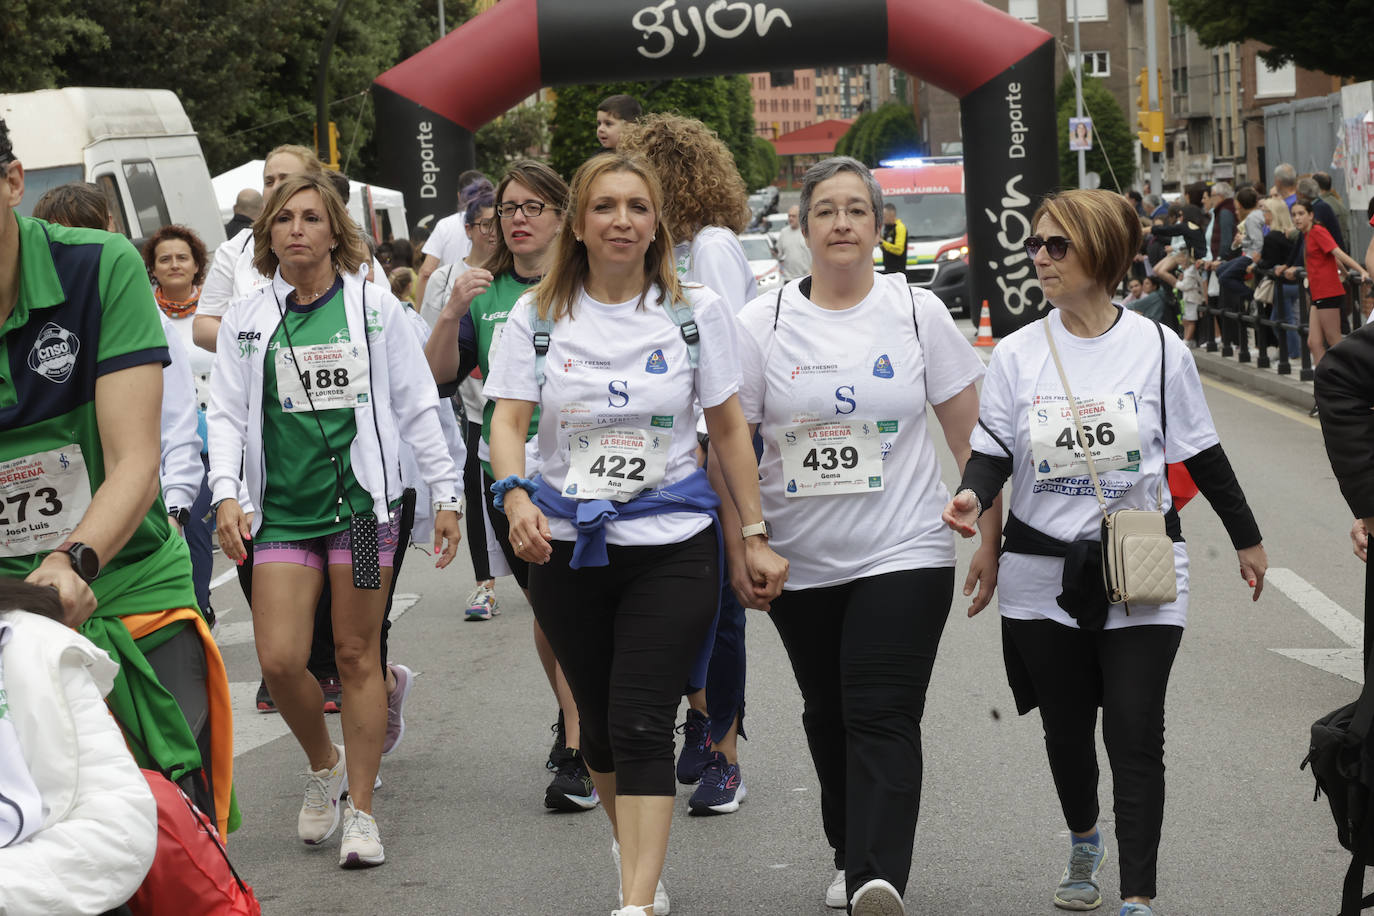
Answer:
(137, 145)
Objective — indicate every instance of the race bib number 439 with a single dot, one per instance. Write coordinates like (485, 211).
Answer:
(42, 498)
(826, 459)
(330, 376)
(1111, 431)
(615, 462)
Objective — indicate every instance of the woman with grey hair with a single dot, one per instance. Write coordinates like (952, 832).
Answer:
(851, 484)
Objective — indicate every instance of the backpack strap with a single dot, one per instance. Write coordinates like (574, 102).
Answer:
(543, 335)
(681, 314)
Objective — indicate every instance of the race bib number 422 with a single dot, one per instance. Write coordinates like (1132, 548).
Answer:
(329, 376)
(615, 462)
(1111, 432)
(42, 498)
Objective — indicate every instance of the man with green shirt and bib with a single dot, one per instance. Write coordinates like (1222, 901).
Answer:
(81, 357)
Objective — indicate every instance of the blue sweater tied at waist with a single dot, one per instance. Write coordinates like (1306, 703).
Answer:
(691, 494)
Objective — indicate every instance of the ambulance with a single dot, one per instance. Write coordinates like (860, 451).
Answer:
(929, 195)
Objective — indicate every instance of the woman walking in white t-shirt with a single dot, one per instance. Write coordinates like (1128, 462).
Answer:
(1069, 650)
(838, 369)
(627, 593)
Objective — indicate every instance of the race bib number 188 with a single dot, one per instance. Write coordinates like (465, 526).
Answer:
(334, 375)
(42, 498)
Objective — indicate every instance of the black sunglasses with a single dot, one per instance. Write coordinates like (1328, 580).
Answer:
(1056, 246)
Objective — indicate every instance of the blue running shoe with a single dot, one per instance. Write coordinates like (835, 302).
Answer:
(696, 748)
(721, 789)
(1136, 909)
(572, 788)
(1079, 888)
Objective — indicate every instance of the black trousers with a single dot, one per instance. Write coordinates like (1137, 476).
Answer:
(626, 635)
(863, 653)
(501, 528)
(472, 489)
(1126, 672)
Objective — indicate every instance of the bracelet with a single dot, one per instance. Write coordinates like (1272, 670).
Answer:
(501, 487)
(978, 502)
(214, 507)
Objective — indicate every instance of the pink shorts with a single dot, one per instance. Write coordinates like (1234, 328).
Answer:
(335, 549)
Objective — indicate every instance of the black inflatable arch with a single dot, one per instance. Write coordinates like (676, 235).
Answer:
(1001, 69)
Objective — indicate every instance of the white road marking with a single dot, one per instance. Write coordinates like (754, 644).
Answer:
(253, 729)
(1346, 661)
(228, 575)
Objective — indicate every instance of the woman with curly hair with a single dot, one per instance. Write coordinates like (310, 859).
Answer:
(704, 205)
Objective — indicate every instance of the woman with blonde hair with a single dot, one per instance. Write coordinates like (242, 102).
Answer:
(619, 526)
(704, 206)
(316, 379)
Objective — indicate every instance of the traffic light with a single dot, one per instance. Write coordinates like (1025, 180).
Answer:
(333, 149)
(1151, 133)
(1143, 82)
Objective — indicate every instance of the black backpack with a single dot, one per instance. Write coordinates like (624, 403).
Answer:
(1343, 765)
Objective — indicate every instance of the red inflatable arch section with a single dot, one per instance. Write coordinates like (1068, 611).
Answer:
(1001, 69)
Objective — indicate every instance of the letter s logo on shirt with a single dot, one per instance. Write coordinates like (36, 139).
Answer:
(618, 391)
(791, 438)
(841, 400)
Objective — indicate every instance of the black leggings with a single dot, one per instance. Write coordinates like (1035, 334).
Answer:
(863, 653)
(626, 635)
(501, 528)
(472, 489)
(1126, 672)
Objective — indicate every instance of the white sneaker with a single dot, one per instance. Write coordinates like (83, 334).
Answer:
(835, 896)
(481, 604)
(362, 843)
(660, 893)
(877, 898)
(319, 816)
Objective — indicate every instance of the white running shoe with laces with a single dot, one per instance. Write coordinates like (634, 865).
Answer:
(362, 843)
(877, 898)
(835, 896)
(481, 603)
(319, 816)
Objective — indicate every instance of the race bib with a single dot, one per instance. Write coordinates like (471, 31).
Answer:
(334, 375)
(1112, 431)
(826, 459)
(616, 462)
(42, 498)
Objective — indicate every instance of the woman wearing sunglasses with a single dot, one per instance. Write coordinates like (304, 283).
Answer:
(1067, 650)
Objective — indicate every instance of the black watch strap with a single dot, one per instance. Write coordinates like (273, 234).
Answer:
(85, 562)
(183, 516)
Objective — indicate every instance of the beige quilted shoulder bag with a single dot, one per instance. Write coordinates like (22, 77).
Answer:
(1137, 552)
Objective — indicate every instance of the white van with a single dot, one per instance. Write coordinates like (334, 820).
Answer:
(136, 144)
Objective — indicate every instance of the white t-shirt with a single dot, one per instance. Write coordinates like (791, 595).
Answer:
(1123, 363)
(863, 363)
(716, 260)
(201, 361)
(621, 364)
(231, 277)
(449, 241)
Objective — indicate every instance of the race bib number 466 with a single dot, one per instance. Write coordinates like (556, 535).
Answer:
(1111, 431)
(42, 498)
(615, 462)
(330, 376)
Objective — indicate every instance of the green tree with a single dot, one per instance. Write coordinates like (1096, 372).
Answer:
(1318, 35)
(722, 103)
(766, 160)
(1113, 152)
(845, 145)
(511, 136)
(33, 33)
(894, 132)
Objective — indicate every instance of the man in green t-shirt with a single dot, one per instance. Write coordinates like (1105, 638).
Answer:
(81, 357)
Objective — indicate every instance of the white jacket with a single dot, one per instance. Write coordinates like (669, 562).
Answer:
(99, 830)
(401, 383)
(181, 471)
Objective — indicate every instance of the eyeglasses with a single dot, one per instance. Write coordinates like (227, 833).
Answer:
(531, 209)
(486, 226)
(826, 213)
(1056, 246)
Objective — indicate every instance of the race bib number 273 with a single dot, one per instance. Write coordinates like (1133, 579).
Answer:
(43, 497)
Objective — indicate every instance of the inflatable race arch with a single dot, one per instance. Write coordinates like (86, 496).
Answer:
(1002, 70)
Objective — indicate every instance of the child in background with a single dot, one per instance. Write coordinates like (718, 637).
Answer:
(611, 116)
(403, 285)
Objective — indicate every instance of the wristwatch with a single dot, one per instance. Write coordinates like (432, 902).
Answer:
(764, 528)
(455, 505)
(84, 561)
(183, 516)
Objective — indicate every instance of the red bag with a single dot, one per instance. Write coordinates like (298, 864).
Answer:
(191, 872)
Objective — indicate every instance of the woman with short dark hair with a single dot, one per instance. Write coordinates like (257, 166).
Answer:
(1068, 649)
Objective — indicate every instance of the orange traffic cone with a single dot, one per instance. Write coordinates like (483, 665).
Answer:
(985, 338)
